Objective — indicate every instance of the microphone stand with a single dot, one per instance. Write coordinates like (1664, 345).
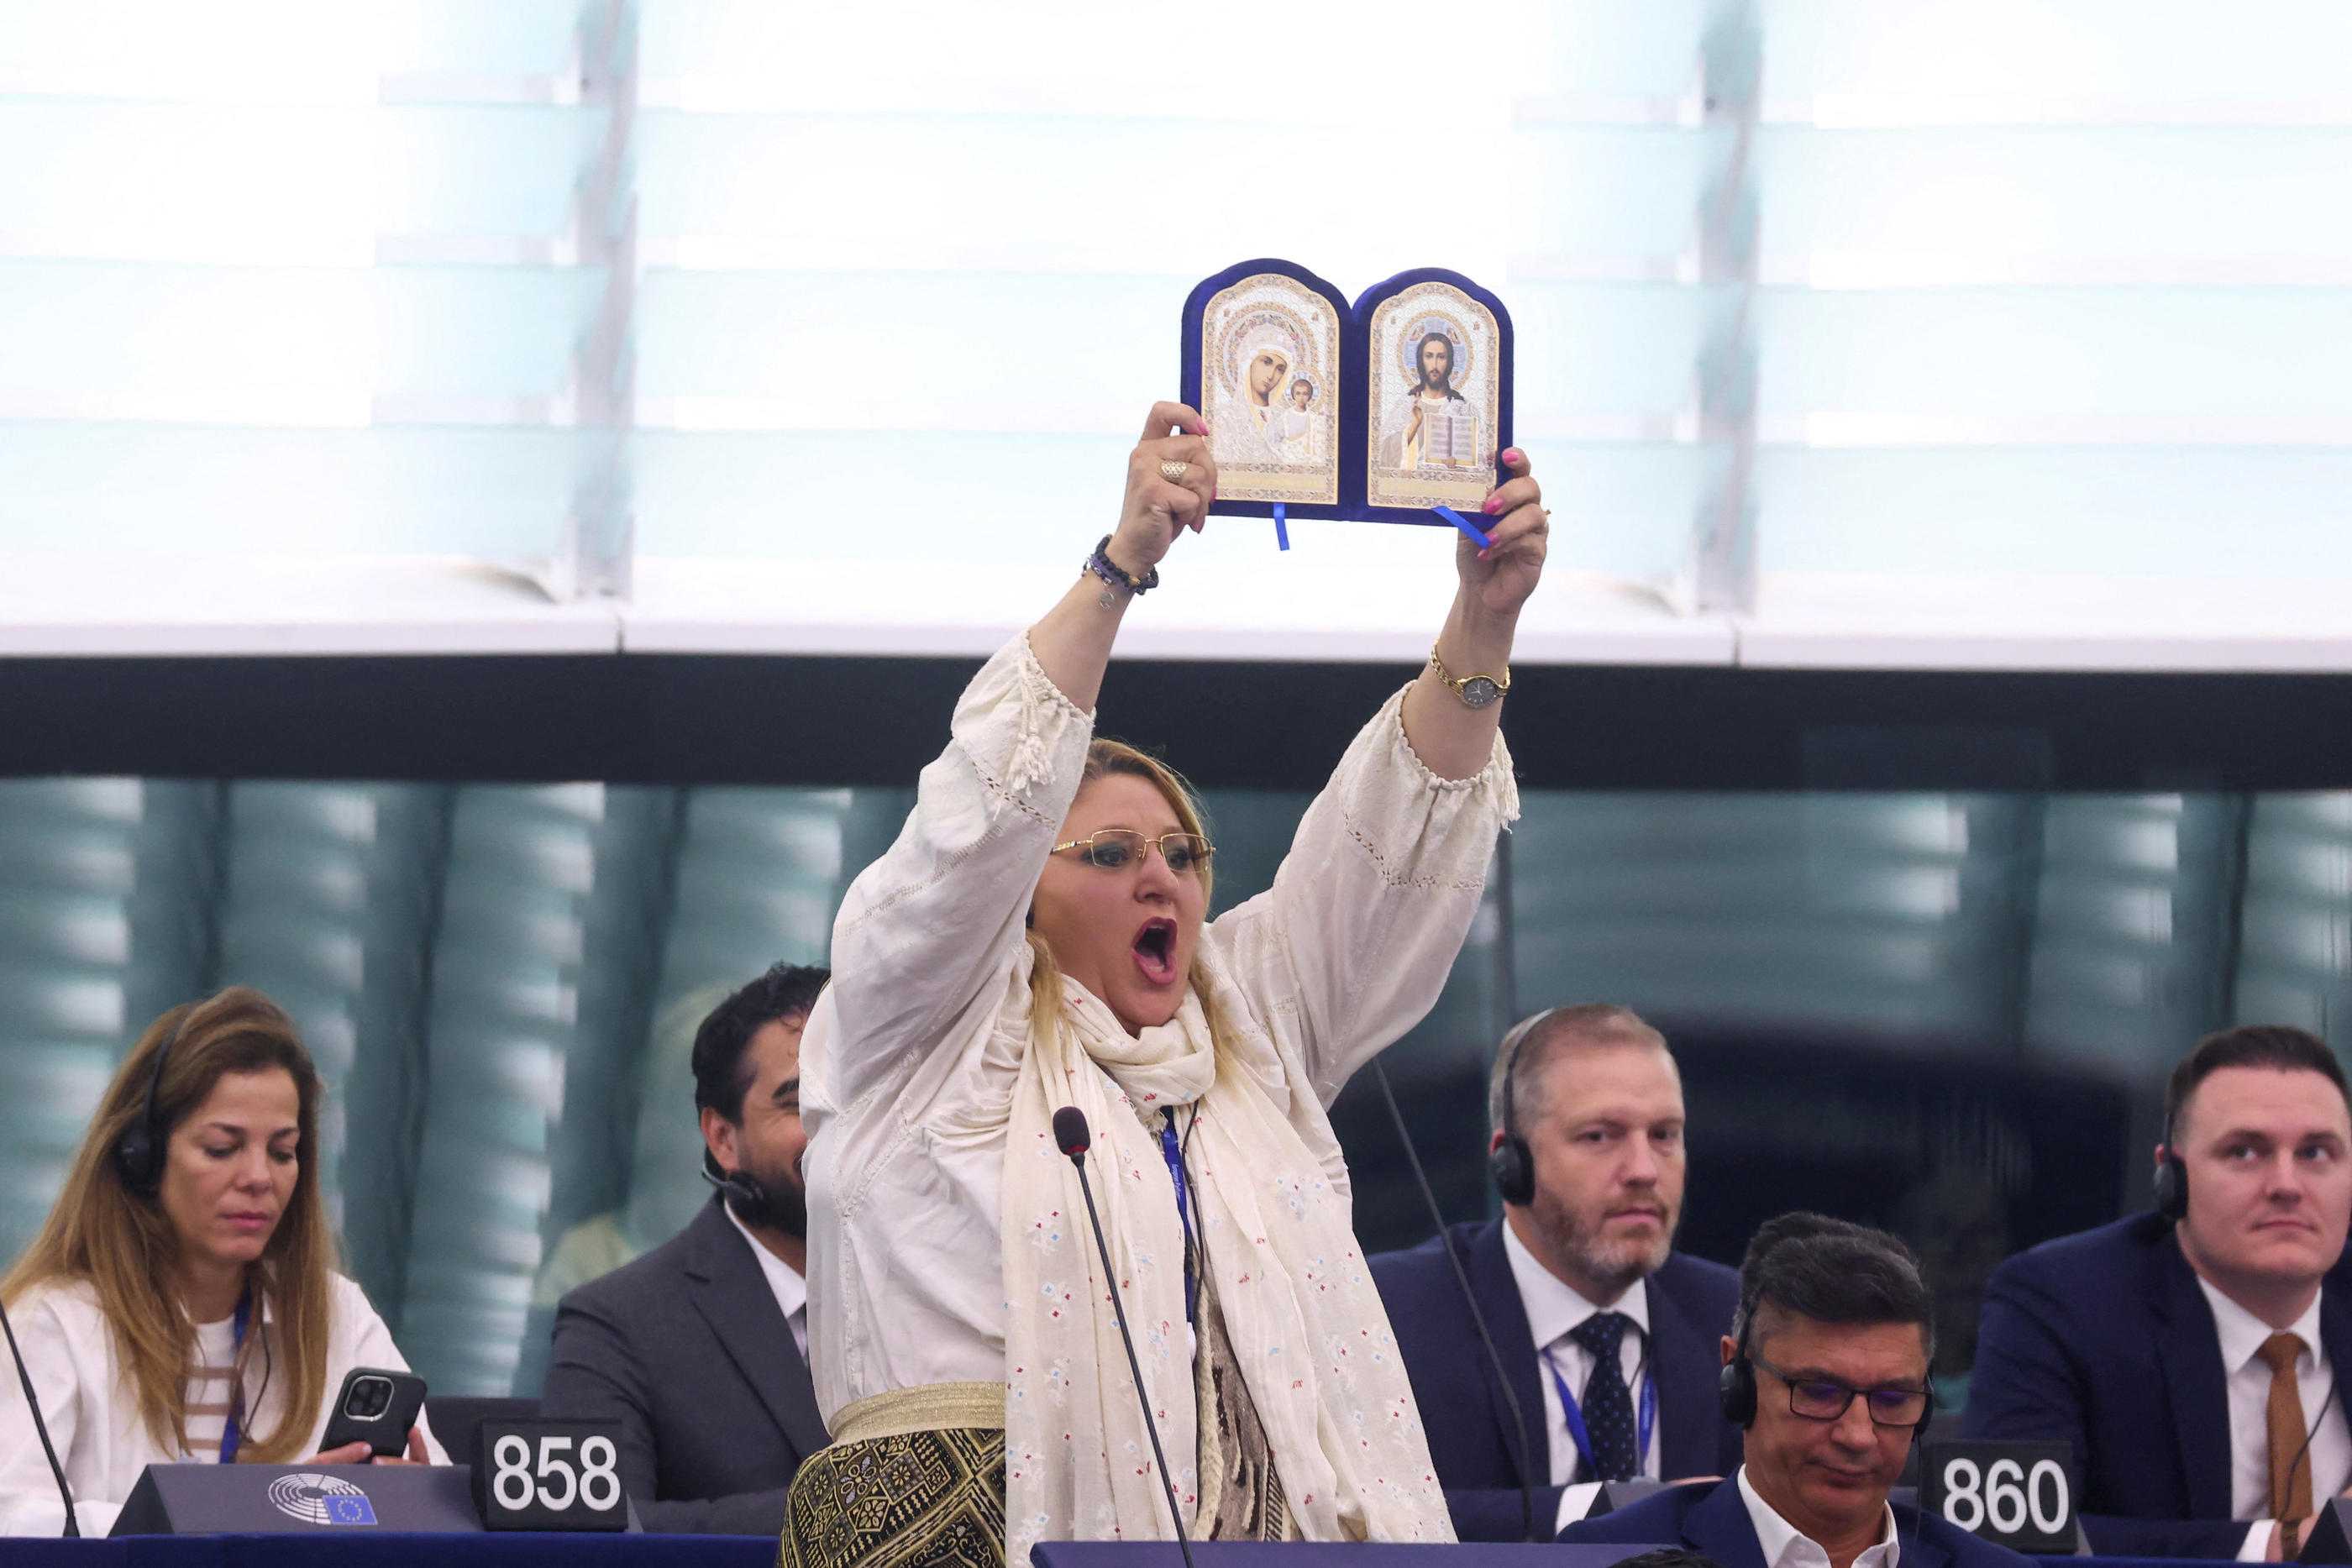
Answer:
(1110, 1278)
(1470, 1300)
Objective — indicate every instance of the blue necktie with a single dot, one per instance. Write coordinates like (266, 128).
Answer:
(1607, 1404)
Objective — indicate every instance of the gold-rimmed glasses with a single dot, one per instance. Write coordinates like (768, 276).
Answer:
(1116, 849)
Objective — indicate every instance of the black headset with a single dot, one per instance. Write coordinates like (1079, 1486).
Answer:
(1511, 1162)
(1736, 1388)
(2171, 1179)
(139, 1153)
(741, 1185)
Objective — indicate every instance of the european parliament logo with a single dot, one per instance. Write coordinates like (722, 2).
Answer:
(316, 1499)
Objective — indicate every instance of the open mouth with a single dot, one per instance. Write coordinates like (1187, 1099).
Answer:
(1155, 951)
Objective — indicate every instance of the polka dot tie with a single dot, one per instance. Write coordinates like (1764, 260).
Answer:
(1608, 1404)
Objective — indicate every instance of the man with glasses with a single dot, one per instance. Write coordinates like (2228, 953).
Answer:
(1826, 1370)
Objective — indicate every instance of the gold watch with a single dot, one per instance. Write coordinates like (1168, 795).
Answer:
(1476, 690)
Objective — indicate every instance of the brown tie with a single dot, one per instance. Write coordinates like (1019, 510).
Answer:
(2290, 1454)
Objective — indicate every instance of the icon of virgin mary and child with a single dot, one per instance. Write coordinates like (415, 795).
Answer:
(1265, 415)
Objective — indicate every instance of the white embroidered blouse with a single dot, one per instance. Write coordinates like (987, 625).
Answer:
(908, 1062)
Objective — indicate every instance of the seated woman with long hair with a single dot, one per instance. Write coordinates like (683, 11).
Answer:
(184, 1305)
(1039, 938)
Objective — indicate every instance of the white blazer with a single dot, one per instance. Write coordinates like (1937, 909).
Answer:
(94, 1413)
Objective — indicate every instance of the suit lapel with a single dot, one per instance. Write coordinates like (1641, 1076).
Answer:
(1489, 1268)
(2189, 1347)
(2336, 1338)
(1719, 1525)
(733, 1297)
(1683, 1361)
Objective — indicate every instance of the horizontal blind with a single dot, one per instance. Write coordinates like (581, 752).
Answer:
(284, 278)
(1817, 286)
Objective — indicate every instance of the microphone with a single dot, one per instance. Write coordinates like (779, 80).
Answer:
(33, 1403)
(1074, 1138)
(1470, 1300)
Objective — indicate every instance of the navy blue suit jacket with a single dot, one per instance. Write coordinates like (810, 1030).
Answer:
(1462, 1405)
(2102, 1340)
(1712, 1517)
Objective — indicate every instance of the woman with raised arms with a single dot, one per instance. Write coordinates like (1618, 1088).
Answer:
(1037, 937)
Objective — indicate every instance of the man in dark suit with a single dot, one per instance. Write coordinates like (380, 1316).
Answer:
(699, 1348)
(1607, 1336)
(2191, 1355)
(1826, 1371)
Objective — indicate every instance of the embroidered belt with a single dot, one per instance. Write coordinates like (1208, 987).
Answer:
(926, 1407)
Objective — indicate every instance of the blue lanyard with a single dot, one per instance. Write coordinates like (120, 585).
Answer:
(1644, 1424)
(229, 1434)
(1174, 1154)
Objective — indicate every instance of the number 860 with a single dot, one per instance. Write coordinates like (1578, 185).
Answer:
(2006, 1494)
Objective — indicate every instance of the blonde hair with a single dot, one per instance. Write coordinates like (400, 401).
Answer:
(121, 1243)
(1106, 757)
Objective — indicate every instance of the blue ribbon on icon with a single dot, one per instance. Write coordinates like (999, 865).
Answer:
(1459, 521)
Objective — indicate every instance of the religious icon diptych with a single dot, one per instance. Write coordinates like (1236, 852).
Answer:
(1378, 411)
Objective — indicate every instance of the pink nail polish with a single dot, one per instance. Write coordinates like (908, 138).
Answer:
(1514, 455)
(1493, 504)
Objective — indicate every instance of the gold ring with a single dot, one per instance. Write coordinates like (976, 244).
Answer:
(1174, 472)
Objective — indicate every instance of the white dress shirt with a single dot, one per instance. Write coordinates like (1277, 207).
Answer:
(792, 1290)
(93, 1415)
(1785, 1547)
(1554, 1310)
(2249, 1377)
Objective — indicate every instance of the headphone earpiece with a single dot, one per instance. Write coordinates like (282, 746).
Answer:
(139, 1153)
(1511, 1163)
(135, 1161)
(1513, 1167)
(2171, 1186)
(1734, 1390)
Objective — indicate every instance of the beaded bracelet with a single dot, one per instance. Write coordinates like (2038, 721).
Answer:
(1102, 565)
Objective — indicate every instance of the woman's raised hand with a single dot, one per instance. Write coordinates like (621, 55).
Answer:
(1502, 575)
(1158, 508)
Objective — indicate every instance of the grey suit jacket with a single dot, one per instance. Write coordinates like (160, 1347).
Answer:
(686, 1348)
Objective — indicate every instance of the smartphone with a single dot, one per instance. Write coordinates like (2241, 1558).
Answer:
(376, 1408)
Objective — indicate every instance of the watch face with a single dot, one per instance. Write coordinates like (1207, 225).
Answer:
(1479, 691)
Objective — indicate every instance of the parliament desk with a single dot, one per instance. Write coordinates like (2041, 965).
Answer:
(356, 1549)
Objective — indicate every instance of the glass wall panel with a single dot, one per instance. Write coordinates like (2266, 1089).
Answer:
(1950, 1013)
(106, 889)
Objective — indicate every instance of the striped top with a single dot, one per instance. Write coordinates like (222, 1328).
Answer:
(209, 1387)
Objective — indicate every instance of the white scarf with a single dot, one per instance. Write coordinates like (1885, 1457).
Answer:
(1277, 1223)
